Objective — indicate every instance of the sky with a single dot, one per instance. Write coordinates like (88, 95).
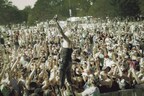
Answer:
(22, 3)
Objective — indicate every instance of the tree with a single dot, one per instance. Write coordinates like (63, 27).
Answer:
(25, 13)
(103, 8)
(83, 7)
(9, 13)
(113, 8)
(129, 7)
(141, 6)
(43, 10)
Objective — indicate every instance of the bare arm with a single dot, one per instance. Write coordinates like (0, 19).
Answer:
(135, 76)
(32, 73)
(16, 62)
(2, 72)
(119, 69)
(61, 31)
(30, 77)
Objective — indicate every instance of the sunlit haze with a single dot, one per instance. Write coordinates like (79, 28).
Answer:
(21, 4)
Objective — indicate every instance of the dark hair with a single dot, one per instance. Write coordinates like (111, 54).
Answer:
(1, 93)
(137, 67)
(33, 85)
(36, 58)
(12, 93)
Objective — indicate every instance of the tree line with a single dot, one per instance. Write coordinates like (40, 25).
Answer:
(46, 9)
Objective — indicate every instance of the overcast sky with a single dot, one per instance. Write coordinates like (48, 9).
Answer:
(22, 3)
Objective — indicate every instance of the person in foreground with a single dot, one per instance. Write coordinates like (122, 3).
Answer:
(66, 60)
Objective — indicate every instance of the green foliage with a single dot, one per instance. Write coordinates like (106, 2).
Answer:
(129, 7)
(10, 13)
(141, 6)
(112, 8)
(25, 13)
(43, 10)
(83, 7)
(102, 8)
(46, 9)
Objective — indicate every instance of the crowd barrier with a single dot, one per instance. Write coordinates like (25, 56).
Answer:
(128, 92)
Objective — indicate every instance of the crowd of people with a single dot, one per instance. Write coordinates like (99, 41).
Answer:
(101, 56)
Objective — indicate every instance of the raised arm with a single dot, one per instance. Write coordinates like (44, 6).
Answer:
(16, 62)
(61, 31)
(119, 69)
(2, 72)
(135, 76)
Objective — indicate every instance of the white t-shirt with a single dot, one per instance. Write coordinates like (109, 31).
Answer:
(108, 62)
(65, 44)
(91, 91)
